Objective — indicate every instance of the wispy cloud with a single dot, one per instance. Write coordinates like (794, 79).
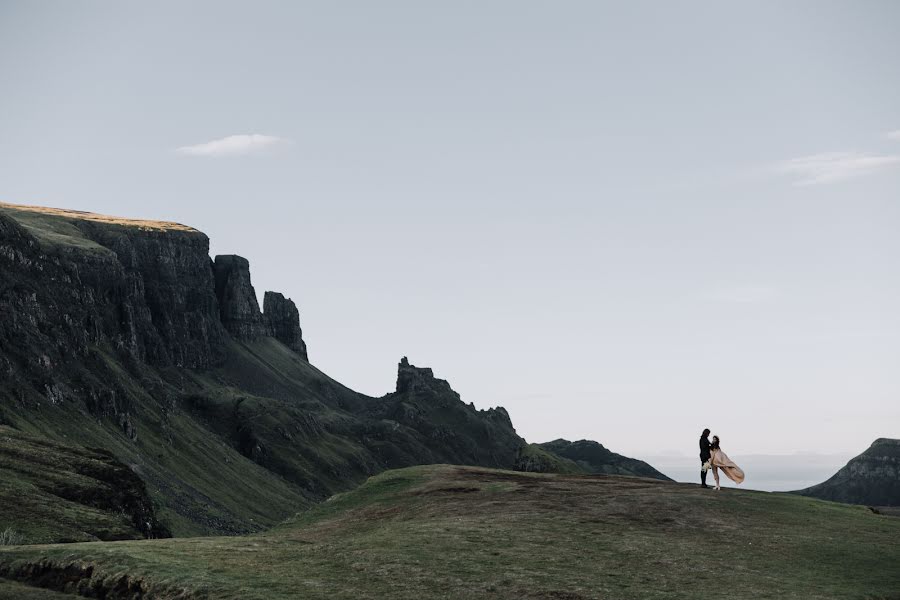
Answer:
(831, 167)
(893, 135)
(234, 145)
(744, 294)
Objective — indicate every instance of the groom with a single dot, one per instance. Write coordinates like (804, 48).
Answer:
(704, 455)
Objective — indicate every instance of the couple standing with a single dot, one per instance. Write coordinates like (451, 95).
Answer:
(712, 457)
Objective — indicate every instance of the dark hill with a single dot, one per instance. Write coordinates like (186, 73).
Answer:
(125, 335)
(592, 457)
(872, 478)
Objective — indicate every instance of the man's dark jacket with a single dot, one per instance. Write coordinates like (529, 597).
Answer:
(704, 449)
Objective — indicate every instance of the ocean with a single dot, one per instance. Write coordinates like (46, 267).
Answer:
(765, 472)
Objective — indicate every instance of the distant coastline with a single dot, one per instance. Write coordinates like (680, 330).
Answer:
(765, 472)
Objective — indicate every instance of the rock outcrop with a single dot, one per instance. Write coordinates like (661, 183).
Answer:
(444, 428)
(238, 306)
(284, 322)
(872, 478)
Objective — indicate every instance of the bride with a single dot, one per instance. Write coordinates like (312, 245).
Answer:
(720, 460)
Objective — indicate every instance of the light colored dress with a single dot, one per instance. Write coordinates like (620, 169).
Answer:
(720, 460)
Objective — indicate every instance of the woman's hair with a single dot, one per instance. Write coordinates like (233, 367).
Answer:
(705, 433)
(715, 443)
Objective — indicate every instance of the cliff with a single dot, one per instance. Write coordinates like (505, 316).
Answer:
(238, 307)
(71, 282)
(437, 427)
(284, 321)
(872, 478)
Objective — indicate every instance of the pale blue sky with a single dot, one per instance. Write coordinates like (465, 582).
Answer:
(621, 221)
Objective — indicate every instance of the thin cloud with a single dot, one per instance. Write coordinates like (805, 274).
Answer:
(745, 294)
(893, 135)
(234, 145)
(831, 167)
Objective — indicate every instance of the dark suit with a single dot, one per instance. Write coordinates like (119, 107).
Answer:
(704, 456)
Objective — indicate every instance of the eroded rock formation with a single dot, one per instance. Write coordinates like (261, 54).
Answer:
(238, 306)
(284, 322)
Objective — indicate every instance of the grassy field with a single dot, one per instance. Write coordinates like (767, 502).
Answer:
(464, 532)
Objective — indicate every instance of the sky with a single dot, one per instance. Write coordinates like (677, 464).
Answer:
(620, 221)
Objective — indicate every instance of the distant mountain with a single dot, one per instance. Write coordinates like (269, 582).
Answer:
(125, 335)
(592, 457)
(872, 478)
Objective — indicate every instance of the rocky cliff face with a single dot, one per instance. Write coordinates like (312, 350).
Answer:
(444, 428)
(71, 285)
(147, 291)
(284, 321)
(239, 309)
(872, 478)
(238, 306)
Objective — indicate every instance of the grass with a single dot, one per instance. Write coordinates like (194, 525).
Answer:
(47, 217)
(464, 532)
(200, 482)
(53, 492)
(11, 537)
(57, 229)
(533, 457)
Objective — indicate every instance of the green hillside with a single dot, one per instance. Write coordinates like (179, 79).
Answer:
(53, 492)
(464, 532)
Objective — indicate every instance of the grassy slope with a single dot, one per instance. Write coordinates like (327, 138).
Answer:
(47, 492)
(200, 484)
(49, 222)
(534, 458)
(442, 531)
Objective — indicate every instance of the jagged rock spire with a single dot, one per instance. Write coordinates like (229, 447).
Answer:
(238, 307)
(284, 321)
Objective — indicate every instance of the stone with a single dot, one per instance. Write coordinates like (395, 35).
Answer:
(238, 307)
(284, 322)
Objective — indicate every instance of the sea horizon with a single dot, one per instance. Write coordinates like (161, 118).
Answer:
(764, 472)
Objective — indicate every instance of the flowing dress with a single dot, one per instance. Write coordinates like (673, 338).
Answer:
(720, 460)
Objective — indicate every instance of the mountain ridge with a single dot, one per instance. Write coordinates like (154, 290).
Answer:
(126, 335)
